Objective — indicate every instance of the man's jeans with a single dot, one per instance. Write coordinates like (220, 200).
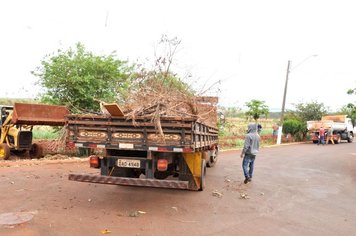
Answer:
(321, 140)
(247, 165)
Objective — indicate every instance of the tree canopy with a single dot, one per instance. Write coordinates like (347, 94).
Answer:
(256, 109)
(79, 79)
(310, 111)
(350, 109)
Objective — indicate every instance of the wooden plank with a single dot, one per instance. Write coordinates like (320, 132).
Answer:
(113, 109)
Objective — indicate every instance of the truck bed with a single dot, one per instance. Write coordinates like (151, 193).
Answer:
(326, 124)
(179, 134)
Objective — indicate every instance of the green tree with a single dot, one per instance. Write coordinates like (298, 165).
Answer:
(296, 128)
(350, 109)
(310, 111)
(78, 78)
(256, 109)
(351, 91)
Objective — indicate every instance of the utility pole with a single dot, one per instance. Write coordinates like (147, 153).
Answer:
(285, 92)
(279, 138)
(289, 69)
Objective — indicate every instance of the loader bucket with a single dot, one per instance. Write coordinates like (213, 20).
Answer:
(39, 114)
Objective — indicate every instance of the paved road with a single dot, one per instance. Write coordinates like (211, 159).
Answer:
(301, 189)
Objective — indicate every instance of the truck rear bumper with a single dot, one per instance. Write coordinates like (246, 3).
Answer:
(177, 184)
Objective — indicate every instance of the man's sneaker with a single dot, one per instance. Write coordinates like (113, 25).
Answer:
(246, 180)
(249, 179)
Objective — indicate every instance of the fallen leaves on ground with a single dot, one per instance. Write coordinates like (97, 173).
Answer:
(136, 213)
(215, 193)
(105, 231)
(244, 196)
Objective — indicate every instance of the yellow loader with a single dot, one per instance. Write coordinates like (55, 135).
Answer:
(16, 123)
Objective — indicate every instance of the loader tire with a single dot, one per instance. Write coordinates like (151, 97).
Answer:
(36, 151)
(4, 151)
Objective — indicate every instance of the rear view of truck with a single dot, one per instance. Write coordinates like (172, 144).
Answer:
(338, 127)
(169, 152)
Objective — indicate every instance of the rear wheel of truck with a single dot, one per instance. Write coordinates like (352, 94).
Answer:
(213, 158)
(202, 175)
(4, 151)
(36, 151)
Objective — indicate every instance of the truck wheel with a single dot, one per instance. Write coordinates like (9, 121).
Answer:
(213, 158)
(36, 151)
(4, 151)
(202, 175)
(350, 138)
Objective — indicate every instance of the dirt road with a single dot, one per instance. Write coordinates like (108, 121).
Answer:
(301, 189)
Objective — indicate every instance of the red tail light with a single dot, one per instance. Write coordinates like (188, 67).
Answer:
(94, 162)
(162, 165)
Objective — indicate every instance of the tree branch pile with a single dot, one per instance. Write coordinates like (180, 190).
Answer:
(158, 95)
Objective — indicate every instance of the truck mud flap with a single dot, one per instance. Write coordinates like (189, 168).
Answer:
(129, 181)
(194, 164)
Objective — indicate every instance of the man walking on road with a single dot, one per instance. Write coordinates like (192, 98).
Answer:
(250, 150)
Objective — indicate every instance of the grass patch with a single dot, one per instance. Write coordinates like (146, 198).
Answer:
(45, 132)
(232, 133)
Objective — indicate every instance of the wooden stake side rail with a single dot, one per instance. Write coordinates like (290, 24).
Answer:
(116, 131)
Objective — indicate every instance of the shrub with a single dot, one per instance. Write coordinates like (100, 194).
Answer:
(295, 127)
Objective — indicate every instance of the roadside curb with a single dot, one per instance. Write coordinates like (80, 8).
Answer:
(267, 146)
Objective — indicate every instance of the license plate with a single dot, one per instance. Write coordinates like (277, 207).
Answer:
(128, 163)
(126, 145)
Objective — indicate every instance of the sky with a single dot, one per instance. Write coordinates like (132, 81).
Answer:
(239, 49)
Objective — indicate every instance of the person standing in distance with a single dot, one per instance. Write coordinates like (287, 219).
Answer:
(321, 136)
(250, 150)
(275, 128)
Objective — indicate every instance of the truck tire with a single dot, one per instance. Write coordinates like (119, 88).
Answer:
(350, 138)
(36, 151)
(202, 175)
(213, 158)
(4, 151)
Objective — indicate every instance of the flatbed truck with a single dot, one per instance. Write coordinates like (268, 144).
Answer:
(138, 153)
